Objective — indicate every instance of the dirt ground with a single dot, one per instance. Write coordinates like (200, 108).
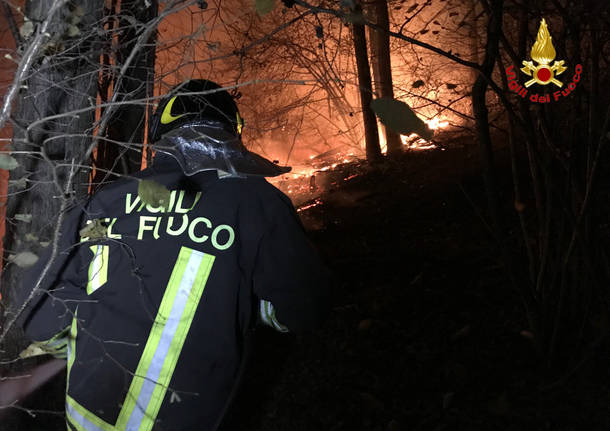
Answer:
(424, 332)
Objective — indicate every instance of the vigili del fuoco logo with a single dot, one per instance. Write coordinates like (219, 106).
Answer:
(543, 73)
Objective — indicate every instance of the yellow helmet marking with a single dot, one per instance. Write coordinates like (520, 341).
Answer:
(240, 123)
(167, 116)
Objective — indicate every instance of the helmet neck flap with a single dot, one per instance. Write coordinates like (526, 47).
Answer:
(207, 145)
(202, 132)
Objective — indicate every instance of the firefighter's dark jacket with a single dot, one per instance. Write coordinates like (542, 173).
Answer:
(110, 292)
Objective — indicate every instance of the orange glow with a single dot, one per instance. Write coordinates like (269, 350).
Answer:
(311, 205)
(383, 144)
(413, 143)
(436, 123)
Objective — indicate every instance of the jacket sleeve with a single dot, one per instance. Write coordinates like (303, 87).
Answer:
(289, 277)
(48, 313)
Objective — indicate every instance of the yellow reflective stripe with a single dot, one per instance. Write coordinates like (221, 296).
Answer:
(71, 347)
(161, 352)
(165, 342)
(240, 123)
(154, 337)
(267, 312)
(79, 417)
(98, 268)
(177, 341)
(58, 351)
(82, 419)
(56, 345)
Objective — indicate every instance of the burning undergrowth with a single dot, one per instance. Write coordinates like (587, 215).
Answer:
(328, 173)
(307, 181)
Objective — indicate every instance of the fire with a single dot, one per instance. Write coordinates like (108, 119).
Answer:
(436, 123)
(311, 205)
(311, 176)
(413, 141)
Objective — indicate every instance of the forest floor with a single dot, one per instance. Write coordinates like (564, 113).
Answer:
(425, 332)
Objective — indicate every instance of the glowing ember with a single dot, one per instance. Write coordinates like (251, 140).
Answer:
(423, 147)
(311, 205)
(414, 142)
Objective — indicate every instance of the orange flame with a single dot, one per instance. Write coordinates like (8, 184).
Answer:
(436, 123)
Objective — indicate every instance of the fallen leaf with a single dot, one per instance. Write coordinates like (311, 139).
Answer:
(263, 7)
(7, 162)
(73, 31)
(31, 237)
(26, 218)
(24, 259)
(26, 29)
(31, 351)
(152, 193)
(94, 229)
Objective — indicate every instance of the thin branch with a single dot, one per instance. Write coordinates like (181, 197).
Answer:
(494, 86)
(27, 60)
(54, 250)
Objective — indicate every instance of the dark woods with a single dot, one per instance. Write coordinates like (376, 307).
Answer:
(80, 121)
(551, 241)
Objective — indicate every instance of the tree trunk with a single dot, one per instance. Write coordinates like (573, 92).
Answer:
(127, 124)
(481, 114)
(371, 136)
(53, 126)
(53, 88)
(382, 68)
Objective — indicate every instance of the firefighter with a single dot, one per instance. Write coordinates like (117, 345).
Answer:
(152, 303)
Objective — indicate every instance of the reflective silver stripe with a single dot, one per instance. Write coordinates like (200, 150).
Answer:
(98, 268)
(268, 315)
(264, 313)
(96, 272)
(169, 329)
(81, 420)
